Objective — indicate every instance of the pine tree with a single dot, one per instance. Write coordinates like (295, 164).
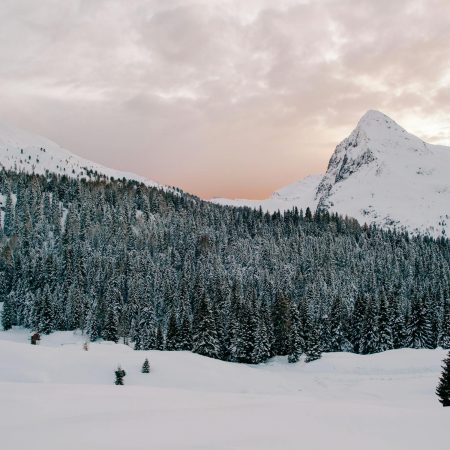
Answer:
(92, 324)
(120, 374)
(325, 333)
(385, 338)
(266, 318)
(397, 323)
(205, 340)
(338, 340)
(146, 366)
(184, 334)
(313, 350)
(7, 314)
(238, 333)
(443, 389)
(137, 335)
(419, 327)
(45, 312)
(172, 333)
(305, 322)
(281, 324)
(111, 332)
(146, 329)
(369, 342)
(357, 323)
(159, 344)
(308, 214)
(8, 221)
(295, 342)
(444, 338)
(261, 348)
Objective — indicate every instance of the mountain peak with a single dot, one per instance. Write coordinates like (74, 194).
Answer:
(376, 125)
(379, 174)
(373, 114)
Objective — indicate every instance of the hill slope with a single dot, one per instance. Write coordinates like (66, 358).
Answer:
(380, 174)
(21, 150)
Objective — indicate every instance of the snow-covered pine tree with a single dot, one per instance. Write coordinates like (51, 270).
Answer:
(240, 335)
(305, 322)
(357, 323)
(45, 314)
(313, 347)
(397, 322)
(111, 327)
(419, 327)
(147, 328)
(184, 333)
(337, 323)
(92, 322)
(369, 342)
(7, 318)
(250, 319)
(120, 375)
(308, 214)
(172, 333)
(145, 366)
(238, 328)
(444, 338)
(434, 303)
(296, 343)
(136, 337)
(281, 324)
(205, 340)
(385, 338)
(8, 220)
(261, 349)
(265, 316)
(443, 388)
(159, 344)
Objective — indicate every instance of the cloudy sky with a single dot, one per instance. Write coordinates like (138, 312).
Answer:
(221, 98)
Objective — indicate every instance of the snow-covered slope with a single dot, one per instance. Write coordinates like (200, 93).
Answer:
(58, 396)
(384, 175)
(301, 193)
(380, 174)
(24, 151)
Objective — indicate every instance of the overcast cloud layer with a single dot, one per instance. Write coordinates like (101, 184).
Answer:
(221, 98)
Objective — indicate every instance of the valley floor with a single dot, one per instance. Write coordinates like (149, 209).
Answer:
(57, 396)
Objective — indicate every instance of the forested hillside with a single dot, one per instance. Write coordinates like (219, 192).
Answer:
(165, 270)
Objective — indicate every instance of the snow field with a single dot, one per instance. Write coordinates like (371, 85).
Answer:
(58, 396)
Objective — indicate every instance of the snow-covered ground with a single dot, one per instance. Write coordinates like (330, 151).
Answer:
(300, 194)
(21, 150)
(57, 396)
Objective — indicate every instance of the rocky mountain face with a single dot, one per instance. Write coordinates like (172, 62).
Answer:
(379, 174)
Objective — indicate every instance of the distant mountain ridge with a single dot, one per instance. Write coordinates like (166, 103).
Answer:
(380, 174)
(21, 150)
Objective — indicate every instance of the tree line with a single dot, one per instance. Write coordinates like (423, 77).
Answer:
(161, 269)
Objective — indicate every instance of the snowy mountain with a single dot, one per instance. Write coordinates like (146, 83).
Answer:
(380, 174)
(24, 151)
